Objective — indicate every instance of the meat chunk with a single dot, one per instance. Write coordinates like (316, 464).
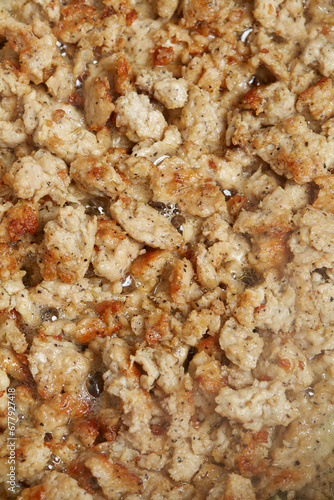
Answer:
(294, 464)
(208, 373)
(308, 301)
(321, 10)
(114, 251)
(272, 55)
(19, 221)
(227, 254)
(57, 484)
(318, 52)
(302, 77)
(197, 10)
(185, 463)
(62, 133)
(228, 170)
(116, 356)
(122, 380)
(263, 404)
(70, 298)
(76, 20)
(180, 406)
(35, 45)
(175, 182)
(57, 365)
(114, 479)
(105, 35)
(12, 133)
(269, 252)
(311, 101)
(149, 267)
(68, 245)
(284, 17)
(138, 118)
(156, 150)
(270, 103)
(242, 346)
(284, 361)
(10, 261)
(141, 40)
(167, 248)
(323, 295)
(61, 83)
(182, 287)
(325, 197)
(270, 304)
(239, 488)
(166, 367)
(11, 336)
(12, 81)
(145, 224)
(59, 410)
(201, 119)
(8, 114)
(275, 215)
(43, 9)
(198, 324)
(8, 108)
(98, 174)
(293, 150)
(166, 8)
(31, 452)
(313, 243)
(39, 175)
(327, 129)
(171, 92)
(242, 125)
(234, 486)
(98, 105)
(271, 225)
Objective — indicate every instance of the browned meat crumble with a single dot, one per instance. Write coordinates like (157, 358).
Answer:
(167, 249)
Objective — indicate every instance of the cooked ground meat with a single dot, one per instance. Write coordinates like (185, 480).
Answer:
(166, 249)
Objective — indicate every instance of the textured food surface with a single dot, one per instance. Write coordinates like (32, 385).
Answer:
(167, 249)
